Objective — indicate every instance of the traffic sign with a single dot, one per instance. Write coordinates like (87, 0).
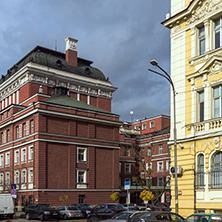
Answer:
(13, 191)
(13, 186)
(127, 185)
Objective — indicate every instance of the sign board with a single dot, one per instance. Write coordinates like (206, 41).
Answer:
(13, 191)
(13, 186)
(127, 185)
(179, 192)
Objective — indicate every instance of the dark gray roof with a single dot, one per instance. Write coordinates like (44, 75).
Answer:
(55, 59)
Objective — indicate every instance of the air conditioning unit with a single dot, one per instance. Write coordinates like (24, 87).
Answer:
(173, 170)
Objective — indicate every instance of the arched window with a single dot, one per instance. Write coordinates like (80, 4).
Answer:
(217, 169)
(200, 170)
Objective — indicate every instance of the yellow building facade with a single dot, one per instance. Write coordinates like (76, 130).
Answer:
(196, 71)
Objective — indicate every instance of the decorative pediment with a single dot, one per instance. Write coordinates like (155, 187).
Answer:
(211, 67)
(201, 9)
(197, 10)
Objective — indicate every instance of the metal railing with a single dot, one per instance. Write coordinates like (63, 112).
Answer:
(215, 179)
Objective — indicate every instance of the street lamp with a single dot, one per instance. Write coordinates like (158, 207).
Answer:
(167, 76)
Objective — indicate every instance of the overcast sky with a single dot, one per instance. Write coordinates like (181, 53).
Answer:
(119, 36)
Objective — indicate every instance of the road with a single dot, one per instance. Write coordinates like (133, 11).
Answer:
(24, 220)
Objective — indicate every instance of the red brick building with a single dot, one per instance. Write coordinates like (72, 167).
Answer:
(148, 137)
(58, 135)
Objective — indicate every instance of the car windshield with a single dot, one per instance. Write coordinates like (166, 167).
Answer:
(72, 208)
(46, 206)
(197, 218)
(86, 206)
(122, 216)
(142, 215)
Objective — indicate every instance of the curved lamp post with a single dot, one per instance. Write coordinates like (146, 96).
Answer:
(167, 76)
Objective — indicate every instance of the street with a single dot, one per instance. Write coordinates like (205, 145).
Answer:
(24, 220)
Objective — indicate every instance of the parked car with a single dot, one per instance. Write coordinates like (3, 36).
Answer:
(7, 208)
(131, 206)
(110, 205)
(155, 216)
(163, 205)
(102, 214)
(67, 212)
(203, 217)
(42, 211)
(85, 208)
(121, 217)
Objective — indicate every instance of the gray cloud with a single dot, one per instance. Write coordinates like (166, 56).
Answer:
(120, 36)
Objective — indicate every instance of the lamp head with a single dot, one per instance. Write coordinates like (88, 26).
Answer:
(154, 62)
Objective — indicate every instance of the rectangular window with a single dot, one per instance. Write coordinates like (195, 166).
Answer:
(149, 181)
(168, 180)
(149, 152)
(7, 178)
(217, 33)
(23, 155)
(17, 132)
(136, 127)
(2, 138)
(81, 154)
(82, 199)
(16, 177)
(30, 153)
(151, 124)
(32, 126)
(148, 166)
(1, 160)
(217, 94)
(23, 176)
(127, 151)
(8, 135)
(160, 181)
(81, 176)
(142, 174)
(30, 175)
(144, 126)
(161, 149)
(1, 179)
(23, 129)
(7, 159)
(160, 166)
(16, 154)
(167, 165)
(201, 106)
(127, 168)
(201, 40)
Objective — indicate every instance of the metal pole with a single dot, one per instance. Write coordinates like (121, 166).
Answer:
(155, 63)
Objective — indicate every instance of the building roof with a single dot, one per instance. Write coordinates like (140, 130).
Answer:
(67, 101)
(55, 59)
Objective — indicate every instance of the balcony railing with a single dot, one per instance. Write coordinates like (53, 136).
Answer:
(208, 125)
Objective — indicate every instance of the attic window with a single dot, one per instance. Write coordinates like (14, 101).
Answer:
(87, 71)
(59, 63)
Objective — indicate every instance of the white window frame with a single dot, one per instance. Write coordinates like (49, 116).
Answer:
(168, 182)
(24, 129)
(23, 179)
(158, 182)
(7, 178)
(159, 163)
(152, 124)
(161, 149)
(1, 160)
(32, 126)
(81, 184)
(8, 135)
(31, 153)
(200, 39)
(219, 28)
(149, 166)
(84, 149)
(7, 159)
(2, 179)
(23, 155)
(149, 152)
(167, 166)
(127, 166)
(30, 175)
(142, 174)
(144, 126)
(16, 176)
(16, 157)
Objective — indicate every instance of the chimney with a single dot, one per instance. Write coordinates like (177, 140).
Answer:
(71, 51)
